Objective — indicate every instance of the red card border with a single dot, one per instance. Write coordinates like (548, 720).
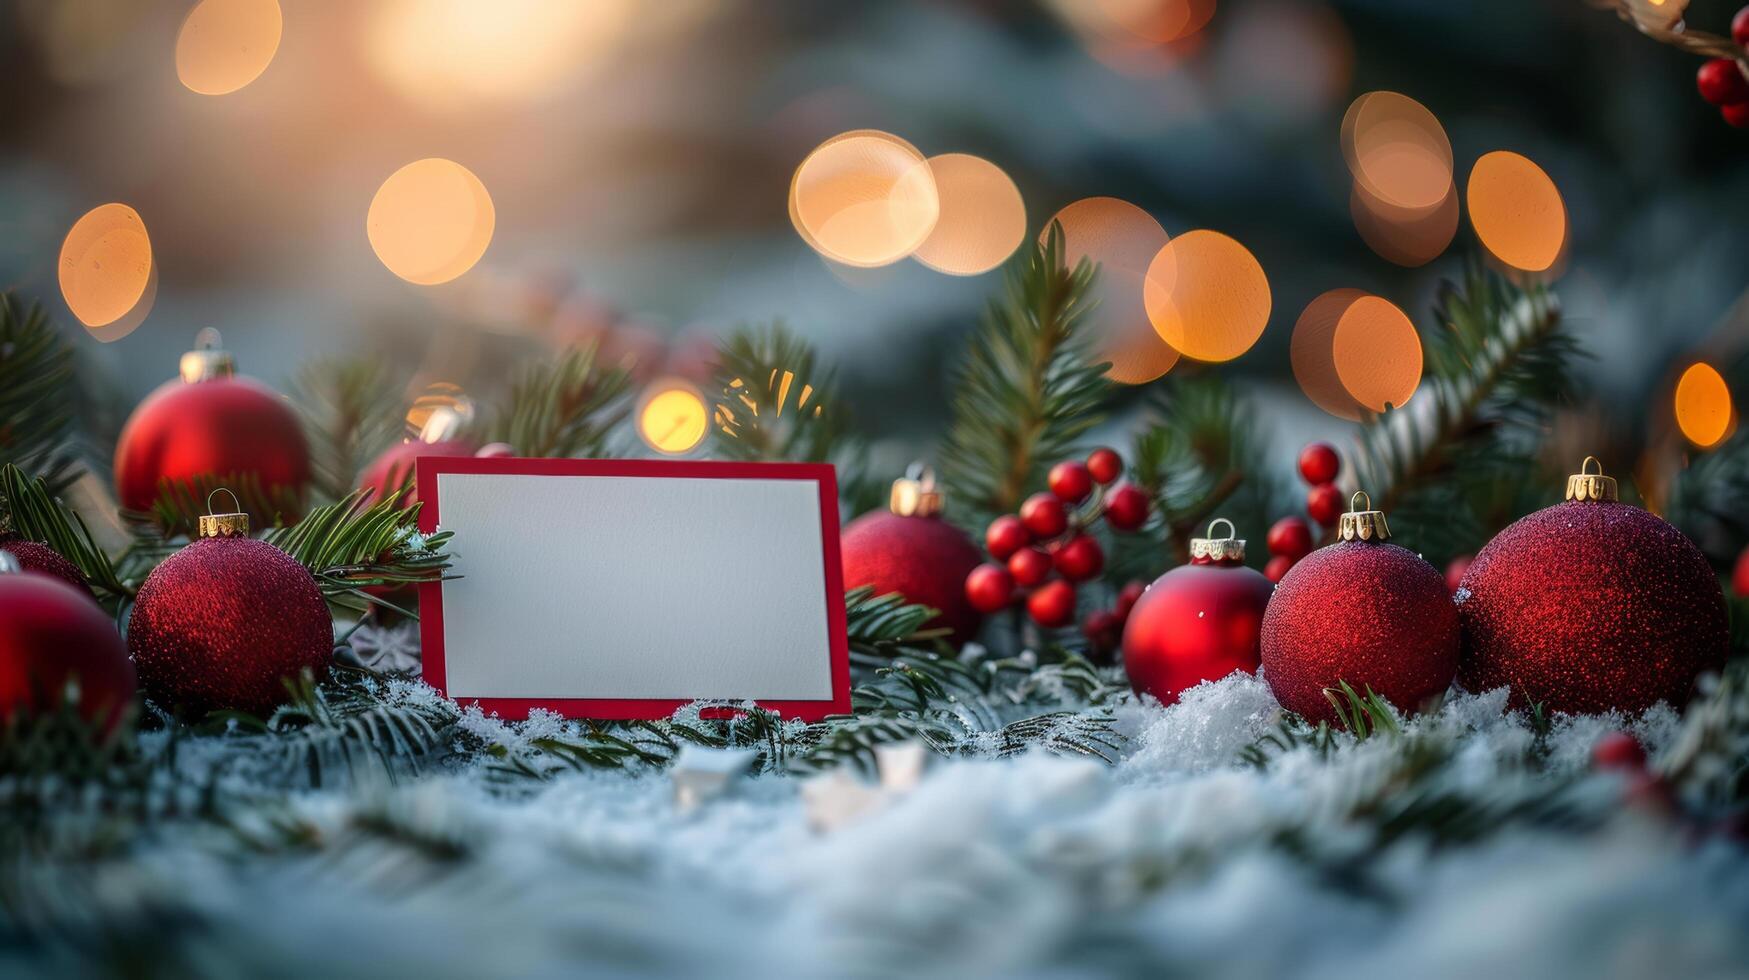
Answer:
(431, 593)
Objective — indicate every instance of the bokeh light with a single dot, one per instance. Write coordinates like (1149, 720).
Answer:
(1207, 296)
(672, 417)
(1409, 237)
(1517, 211)
(1312, 351)
(1284, 60)
(105, 267)
(430, 221)
(1703, 405)
(1397, 150)
(1121, 239)
(1377, 354)
(864, 198)
(441, 412)
(982, 218)
(226, 44)
(1153, 22)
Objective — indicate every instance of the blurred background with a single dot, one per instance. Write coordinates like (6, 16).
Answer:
(639, 156)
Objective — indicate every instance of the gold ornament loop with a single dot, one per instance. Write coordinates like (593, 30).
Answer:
(1588, 486)
(234, 524)
(915, 494)
(1362, 522)
(1228, 549)
(208, 360)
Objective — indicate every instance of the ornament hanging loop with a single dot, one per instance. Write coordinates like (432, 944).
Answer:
(208, 360)
(1227, 550)
(234, 524)
(1362, 522)
(915, 495)
(1586, 485)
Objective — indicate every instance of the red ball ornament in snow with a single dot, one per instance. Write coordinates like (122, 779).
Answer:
(1005, 536)
(1052, 604)
(223, 622)
(989, 588)
(53, 636)
(1071, 481)
(1044, 515)
(1198, 622)
(43, 560)
(213, 425)
(1080, 558)
(1126, 507)
(1324, 504)
(1364, 611)
(1591, 605)
(1319, 463)
(910, 550)
(1105, 465)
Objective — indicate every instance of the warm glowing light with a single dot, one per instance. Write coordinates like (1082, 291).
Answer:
(982, 218)
(1312, 351)
(440, 413)
(672, 418)
(1136, 21)
(430, 221)
(1397, 150)
(1121, 239)
(1406, 236)
(1517, 211)
(1703, 406)
(864, 198)
(1207, 296)
(1377, 354)
(226, 44)
(106, 265)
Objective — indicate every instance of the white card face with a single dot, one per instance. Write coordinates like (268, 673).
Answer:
(631, 587)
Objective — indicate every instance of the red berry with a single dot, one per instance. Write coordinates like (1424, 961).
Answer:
(1005, 536)
(1070, 481)
(1721, 82)
(1324, 503)
(1618, 750)
(1737, 114)
(1103, 629)
(1319, 463)
(1454, 572)
(1290, 538)
(1044, 515)
(989, 587)
(1029, 566)
(1052, 604)
(1126, 507)
(1080, 559)
(1740, 27)
(1128, 596)
(1740, 576)
(1105, 465)
(1277, 568)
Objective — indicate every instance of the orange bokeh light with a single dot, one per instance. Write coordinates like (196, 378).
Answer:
(982, 218)
(1517, 211)
(1121, 239)
(1397, 150)
(105, 267)
(1703, 405)
(1312, 351)
(1207, 296)
(672, 417)
(1377, 354)
(226, 44)
(430, 221)
(864, 198)
(1405, 236)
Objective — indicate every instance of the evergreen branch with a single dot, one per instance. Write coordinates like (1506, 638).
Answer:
(1028, 389)
(774, 401)
(879, 625)
(354, 544)
(1362, 715)
(34, 514)
(182, 503)
(564, 407)
(36, 395)
(352, 411)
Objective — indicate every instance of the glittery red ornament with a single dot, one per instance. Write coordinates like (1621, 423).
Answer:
(213, 425)
(1198, 622)
(1591, 605)
(52, 634)
(43, 560)
(1364, 611)
(394, 467)
(910, 550)
(223, 622)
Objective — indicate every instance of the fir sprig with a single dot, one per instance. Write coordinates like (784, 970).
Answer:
(36, 395)
(564, 407)
(35, 514)
(352, 411)
(355, 544)
(774, 400)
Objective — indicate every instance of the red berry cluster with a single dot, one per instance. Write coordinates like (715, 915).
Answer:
(1724, 82)
(1104, 627)
(1050, 535)
(1290, 538)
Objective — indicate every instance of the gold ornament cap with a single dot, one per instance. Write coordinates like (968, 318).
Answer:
(915, 494)
(208, 360)
(1218, 550)
(232, 525)
(1585, 485)
(1362, 523)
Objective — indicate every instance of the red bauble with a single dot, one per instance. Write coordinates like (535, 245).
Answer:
(51, 634)
(1740, 576)
(1324, 503)
(1721, 82)
(1105, 465)
(1029, 566)
(391, 470)
(1591, 605)
(1289, 538)
(989, 588)
(1319, 463)
(1363, 611)
(1198, 622)
(1044, 515)
(43, 560)
(1126, 507)
(1071, 481)
(910, 550)
(223, 622)
(1005, 536)
(1052, 604)
(1080, 559)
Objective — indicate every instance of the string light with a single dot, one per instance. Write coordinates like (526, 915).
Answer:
(226, 44)
(430, 221)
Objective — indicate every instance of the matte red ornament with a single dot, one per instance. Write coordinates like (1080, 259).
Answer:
(1290, 538)
(1105, 465)
(1005, 536)
(1198, 622)
(393, 469)
(211, 426)
(1052, 604)
(222, 623)
(989, 588)
(910, 550)
(1591, 605)
(1721, 82)
(1029, 566)
(1324, 503)
(52, 634)
(1071, 481)
(1080, 559)
(1319, 463)
(1044, 515)
(44, 560)
(1364, 611)
(1126, 507)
